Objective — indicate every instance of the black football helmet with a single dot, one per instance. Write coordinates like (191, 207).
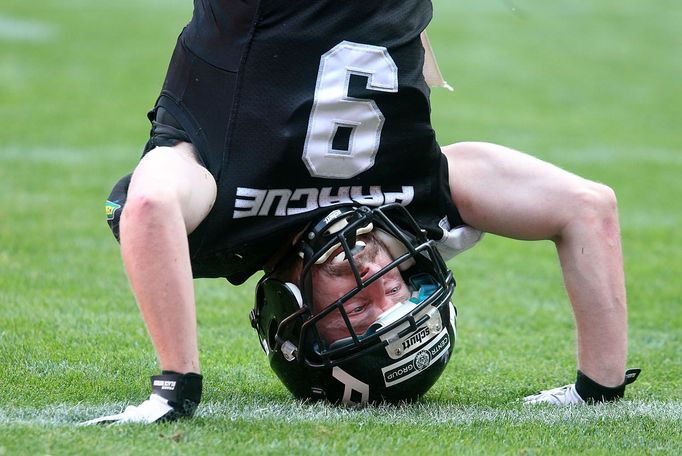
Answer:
(401, 354)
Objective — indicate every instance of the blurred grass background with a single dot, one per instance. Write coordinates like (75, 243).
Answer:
(591, 86)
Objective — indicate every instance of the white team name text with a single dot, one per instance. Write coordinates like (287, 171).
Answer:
(282, 202)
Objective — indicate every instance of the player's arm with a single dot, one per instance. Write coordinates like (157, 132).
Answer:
(169, 195)
(505, 192)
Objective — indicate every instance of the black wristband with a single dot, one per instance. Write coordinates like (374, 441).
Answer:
(592, 391)
(182, 391)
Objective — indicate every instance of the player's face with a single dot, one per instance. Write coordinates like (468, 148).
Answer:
(332, 281)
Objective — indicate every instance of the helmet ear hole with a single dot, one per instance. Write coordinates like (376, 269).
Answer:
(275, 302)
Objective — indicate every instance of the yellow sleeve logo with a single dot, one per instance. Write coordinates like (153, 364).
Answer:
(110, 208)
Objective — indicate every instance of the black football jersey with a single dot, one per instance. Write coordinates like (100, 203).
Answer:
(297, 106)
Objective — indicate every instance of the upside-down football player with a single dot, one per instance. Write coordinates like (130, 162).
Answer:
(295, 138)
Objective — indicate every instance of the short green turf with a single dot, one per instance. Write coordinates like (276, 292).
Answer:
(591, 86)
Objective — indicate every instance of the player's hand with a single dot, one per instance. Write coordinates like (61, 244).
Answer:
(564, 395)
(173, 396)
(592, 391)
(153, 410)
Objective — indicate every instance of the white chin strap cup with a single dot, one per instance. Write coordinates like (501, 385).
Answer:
(391, 315)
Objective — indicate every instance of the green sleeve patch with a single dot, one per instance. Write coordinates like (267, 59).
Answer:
(110, 207)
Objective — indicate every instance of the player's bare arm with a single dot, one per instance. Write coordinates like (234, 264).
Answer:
(505, 192)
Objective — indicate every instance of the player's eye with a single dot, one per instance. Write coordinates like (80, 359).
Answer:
(394, 290)
(354, 309)
(357, 309)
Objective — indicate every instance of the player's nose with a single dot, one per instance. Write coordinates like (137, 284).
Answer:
(368, 269)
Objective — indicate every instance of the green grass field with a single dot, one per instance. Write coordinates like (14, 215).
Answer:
(592, 86)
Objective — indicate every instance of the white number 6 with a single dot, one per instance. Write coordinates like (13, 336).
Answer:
(336, 114)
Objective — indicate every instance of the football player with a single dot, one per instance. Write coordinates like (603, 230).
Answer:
(289, 137)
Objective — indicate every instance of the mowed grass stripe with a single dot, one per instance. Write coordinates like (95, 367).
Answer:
(422, 414)
(14, 29)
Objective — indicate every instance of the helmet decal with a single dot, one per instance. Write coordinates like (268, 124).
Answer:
(412, 365)
(350, 385)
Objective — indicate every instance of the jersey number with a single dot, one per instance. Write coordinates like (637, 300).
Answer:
(344, 132)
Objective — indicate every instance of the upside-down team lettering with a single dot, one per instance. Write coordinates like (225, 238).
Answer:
(281, 202)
